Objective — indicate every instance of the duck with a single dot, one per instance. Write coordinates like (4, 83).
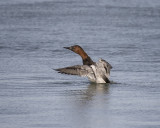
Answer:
(97, 72)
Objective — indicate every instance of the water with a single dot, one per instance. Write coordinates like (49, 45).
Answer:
(33, 33)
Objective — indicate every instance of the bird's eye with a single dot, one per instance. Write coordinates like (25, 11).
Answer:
(73, 48)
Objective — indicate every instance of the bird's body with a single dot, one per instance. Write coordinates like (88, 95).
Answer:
(96, 72)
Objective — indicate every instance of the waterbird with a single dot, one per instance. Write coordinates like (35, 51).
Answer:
(97, 72)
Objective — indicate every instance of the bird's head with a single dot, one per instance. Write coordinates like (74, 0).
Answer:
(76, 48)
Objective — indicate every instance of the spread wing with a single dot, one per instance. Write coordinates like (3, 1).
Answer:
(81, 70)
(103, 70)
(107, 66)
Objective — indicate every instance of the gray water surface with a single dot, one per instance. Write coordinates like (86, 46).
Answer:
(33, 33)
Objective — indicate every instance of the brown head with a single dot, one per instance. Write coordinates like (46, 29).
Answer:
(77, 49)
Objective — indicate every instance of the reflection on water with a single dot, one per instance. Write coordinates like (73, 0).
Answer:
(89, 105)
(95, 90)
(98, 88)
(88, 94)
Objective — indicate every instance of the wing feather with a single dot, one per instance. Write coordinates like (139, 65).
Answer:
(81, 70)
(107, 66)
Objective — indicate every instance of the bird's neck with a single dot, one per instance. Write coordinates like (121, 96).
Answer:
(88, 61)
(85, 58)
(83, 54)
